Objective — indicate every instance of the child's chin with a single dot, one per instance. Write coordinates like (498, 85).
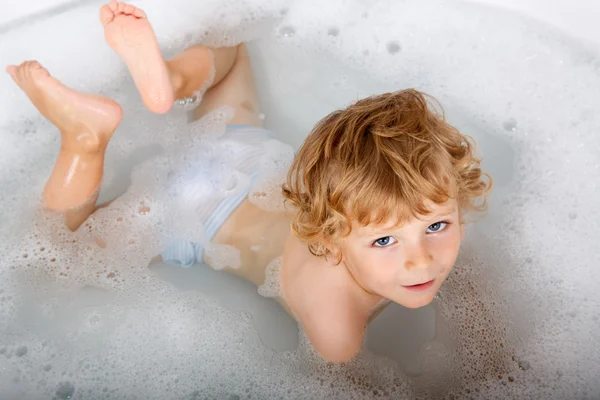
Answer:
(416, 302)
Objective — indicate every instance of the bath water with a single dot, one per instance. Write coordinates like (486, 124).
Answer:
(517, 317)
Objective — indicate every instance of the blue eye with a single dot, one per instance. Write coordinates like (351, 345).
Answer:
(437, 227)
(384, 241)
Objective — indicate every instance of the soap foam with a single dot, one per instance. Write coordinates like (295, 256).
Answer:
(86, 318)
(272, 287)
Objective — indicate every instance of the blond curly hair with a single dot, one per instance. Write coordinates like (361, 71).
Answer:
(380, 158)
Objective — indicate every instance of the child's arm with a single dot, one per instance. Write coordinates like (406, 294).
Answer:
(334, 330)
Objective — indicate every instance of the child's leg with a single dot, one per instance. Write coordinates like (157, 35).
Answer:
(236, 88)
(86, 123)
(200, 67)
(161, 82)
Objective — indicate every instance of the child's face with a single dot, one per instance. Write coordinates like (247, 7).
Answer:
(390, 261)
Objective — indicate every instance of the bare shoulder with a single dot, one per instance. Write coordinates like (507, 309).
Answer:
(334, 330)
(323, 302)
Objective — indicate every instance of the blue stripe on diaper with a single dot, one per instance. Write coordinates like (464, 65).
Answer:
(186, 253)
(224, 210)
(183, 253)
(241, 126)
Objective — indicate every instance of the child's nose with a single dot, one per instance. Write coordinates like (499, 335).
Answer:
(418, 256)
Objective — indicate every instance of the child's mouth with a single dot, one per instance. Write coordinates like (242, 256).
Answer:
(421, 286)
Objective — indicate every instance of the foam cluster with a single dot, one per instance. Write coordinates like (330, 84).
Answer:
(272, 287)
(85, 317)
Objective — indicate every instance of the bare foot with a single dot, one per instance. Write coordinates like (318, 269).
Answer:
(129, 33)
(86, 123)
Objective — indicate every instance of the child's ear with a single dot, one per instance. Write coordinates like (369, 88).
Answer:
(462, 231)
(334, 259)
(333, 252)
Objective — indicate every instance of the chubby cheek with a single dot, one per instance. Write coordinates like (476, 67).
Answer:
(381, 276)
(447, 252)
(373, 270)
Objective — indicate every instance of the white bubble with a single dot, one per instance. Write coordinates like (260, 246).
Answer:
(65, 390)
(271, 287)
(287, 31)
(21, 351)
(510, 124)
(393, 47)
(333, 31)
(219, 256)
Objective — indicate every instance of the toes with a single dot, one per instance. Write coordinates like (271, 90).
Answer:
(37, 70)
(106, 14)
(128, 9)
(22, 71)
(27, 67)
(27, 71)
(139, 13)
(12, 71)
(114, 6)
(35, 65)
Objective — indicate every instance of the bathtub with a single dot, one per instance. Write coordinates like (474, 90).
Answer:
(517, 318)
